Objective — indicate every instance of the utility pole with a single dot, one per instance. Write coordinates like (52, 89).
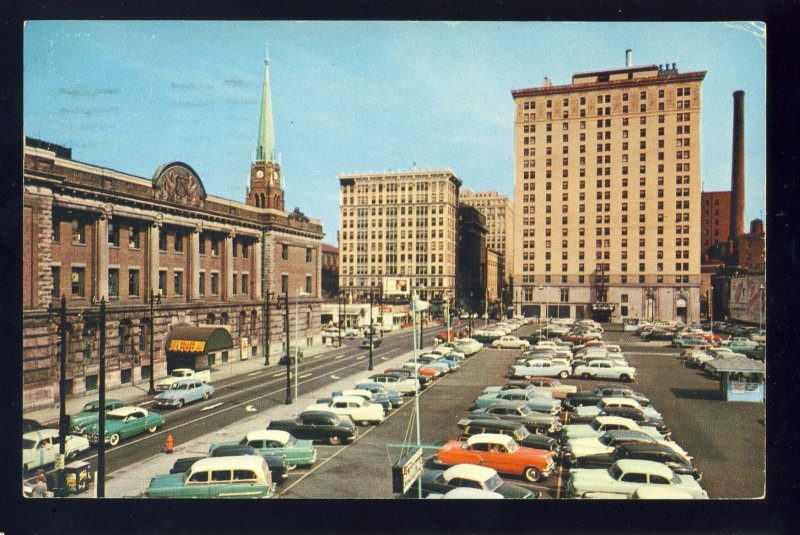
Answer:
(63, 419)
(152, 389)
(101, 431)
(288, 360)
(370, 329)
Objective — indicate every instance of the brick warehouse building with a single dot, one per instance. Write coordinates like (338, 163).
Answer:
(91, 232)
(607, 195)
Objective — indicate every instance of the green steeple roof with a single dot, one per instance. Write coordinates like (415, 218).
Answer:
(266, 136)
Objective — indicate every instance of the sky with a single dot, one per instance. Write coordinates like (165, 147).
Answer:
(357, 97)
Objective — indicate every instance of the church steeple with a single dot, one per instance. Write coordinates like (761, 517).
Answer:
(266, 138)
(265, 173)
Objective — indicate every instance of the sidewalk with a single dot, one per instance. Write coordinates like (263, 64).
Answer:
(131, 481)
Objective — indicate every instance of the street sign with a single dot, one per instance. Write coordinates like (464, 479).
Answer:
(60, 461)
(406, 471)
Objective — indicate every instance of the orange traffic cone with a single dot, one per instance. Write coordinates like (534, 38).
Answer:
(168, 446)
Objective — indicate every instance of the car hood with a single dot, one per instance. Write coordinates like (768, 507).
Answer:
(83, 418)
(166, 481)
(515, 492)
(581, 447)
(168, 395)
(579, 430)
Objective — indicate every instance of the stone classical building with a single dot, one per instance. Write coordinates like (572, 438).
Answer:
(607, 195)
(162, 252)
(499, 212)
(398, 234)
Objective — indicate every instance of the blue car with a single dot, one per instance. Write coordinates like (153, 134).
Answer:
(184, 391)
(394, 397)
(532, 398)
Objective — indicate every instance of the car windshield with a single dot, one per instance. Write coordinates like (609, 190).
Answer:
(614, 472)
(524, 410)
(596, 425)
(493, 482)
(675, 479)
(512, 446)
(91, 407)
(291, 441)
(115, 417)
(179, 386)
(606, 440)
(28, 444)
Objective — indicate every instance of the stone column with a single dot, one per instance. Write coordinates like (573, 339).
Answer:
(153, 259)
(101, 265)
(256, 257)
(228, 265)
(194, 264)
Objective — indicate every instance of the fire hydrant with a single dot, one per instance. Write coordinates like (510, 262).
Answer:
(168, 446)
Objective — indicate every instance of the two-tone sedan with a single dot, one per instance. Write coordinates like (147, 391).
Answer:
(595, 410)
(627, 475)
(535, 400)
(470, 476)
(275, 442)
(604, 369)
(541, 367)
(510, 342)
(500, 452)
(601, 424)
(356, 407)
(41, 447)
(518, 411)
(324, 426)
(182, 392)
(90, 413)
(124, 422)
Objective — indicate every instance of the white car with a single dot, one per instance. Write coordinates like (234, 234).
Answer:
(595, 410)
(541, 367)
(405, 386)
(511, 342)
(356, 407)
(604, 369)
(41, 447)
(628, 475)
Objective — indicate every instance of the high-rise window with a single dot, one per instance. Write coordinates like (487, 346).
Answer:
(113, 282)
(78, 282)
(56, 272)
(133, 282)
(78, 231)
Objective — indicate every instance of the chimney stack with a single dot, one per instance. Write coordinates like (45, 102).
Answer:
(547, 82)
(737, 168)
(628, 58)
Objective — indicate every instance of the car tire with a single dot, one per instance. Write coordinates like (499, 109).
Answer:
(72, 455)
(206, 395)
(625, 377)
(585, 375)
(291, 466)
(152, 429)
(113, 440)
(363, 423)
(564, 374)
(334, 440)
(532, 474)
(180, 404)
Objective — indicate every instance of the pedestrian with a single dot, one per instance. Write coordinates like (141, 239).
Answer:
(40, 487)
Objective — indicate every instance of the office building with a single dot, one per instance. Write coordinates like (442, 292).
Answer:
(499, 212)
(471, 274)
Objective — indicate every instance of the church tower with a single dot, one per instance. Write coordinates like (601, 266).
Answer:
(265, 173)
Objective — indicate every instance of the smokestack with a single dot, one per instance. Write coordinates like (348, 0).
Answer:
(737, 168)
(628, 58)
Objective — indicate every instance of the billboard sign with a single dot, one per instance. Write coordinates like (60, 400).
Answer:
(745, 300)
(396, 286)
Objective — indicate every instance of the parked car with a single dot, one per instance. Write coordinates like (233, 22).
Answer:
(41, 447)
(377, 398)
(627, 475)
(601, 424)
(276, 442)
(183, 392)
(510, 342)
(621, 391)
(541, 368)
(519, 411)
(243, 476)
(392, 395)
(276, 462)
(500, 452)
(292, 352)
(552, 385)
(530, 397)
(469, 476)
(615, 402)
(646, 451)
(580, 447)
(91, 413)
(404, 385)
(124, 422)
(632, 413)
(179, 374)
(356, 407)
(323, 426)
(376, 343)
(688, 341)
(604, 369)
(515, 430)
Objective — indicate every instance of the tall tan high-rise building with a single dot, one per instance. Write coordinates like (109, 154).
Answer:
(398, 233)
(499, 213)
(607, 195)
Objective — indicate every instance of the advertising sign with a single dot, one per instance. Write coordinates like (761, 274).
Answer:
(745, 300)
(406, 471)
(396, 286)
(187, 346)
(245, 348)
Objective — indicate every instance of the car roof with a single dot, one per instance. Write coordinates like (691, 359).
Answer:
(39, 434)
(651, 467)
(356, 399)
(108, 401)
(508, 403)
(268, 434)
(632, 447)
(235, 447)
(499, 424)
(629, 402)
(467, 493)
(186, 380)
(628, 434)
(615, 420)
(489, 438)
(254, 462)
(469, 471)
(326, 414)
(356, 392)
(127, 410)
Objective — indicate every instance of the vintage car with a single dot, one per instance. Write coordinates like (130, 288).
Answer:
(450, 353)
(604, 369)
(601, 424)
(179, 374)
(90, 413)
(515, 430)
(392, 395)
(500, 452)
(123, 423)
(605, 443)
(516, 384)
(519, 411)
(40, 448)
(554, 386)
(541, 367)
(276, 463)
(293, 351)
(621, 391)
(424, 363)
(243, 476)
(406, 373)
(454, 361)
(364, 344)
(510, 342)
(688, 341)
(356, 407)
(183, 392)
(403, 385)
(276, 442)
(627, 475)
(646, 451)
(469, 476)
(632, 413)
(324, 426)
(588, 410)
(468, 346)
(530, 397)
(378, 397)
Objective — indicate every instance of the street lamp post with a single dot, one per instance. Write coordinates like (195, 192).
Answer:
(101, 427)
(300, 292)
(370, 329)
(153, 298)
(546, 306)
(267, 325)
(288, 400)
(711, 309)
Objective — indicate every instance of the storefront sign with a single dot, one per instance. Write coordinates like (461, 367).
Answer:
(187, 346)
(245, 349)
(406, 471)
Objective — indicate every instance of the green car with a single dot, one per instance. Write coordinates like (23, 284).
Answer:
(240, 476)
(123, 423)
(91, 413)
(275, 442)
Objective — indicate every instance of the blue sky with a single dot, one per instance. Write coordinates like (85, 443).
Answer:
(356, 96)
